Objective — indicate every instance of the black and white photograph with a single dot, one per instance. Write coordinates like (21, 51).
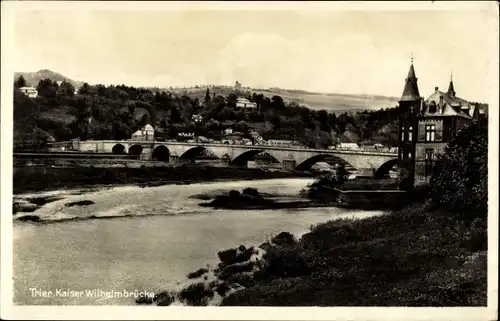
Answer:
(337, 157)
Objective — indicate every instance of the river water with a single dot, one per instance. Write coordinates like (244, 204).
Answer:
(150, 239)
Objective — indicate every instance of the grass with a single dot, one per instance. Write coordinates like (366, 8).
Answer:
(411, 257)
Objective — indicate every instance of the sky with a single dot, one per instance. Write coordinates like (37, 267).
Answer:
(324, 50)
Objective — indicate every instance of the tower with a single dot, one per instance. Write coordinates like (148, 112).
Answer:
(451, 88)
(409, 106)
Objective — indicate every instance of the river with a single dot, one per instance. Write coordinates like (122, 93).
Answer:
(150, 239)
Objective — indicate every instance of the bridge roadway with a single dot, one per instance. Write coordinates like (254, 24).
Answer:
(292, 158)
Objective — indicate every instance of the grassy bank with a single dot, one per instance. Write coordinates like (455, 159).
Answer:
(31, 179)
(416, 256)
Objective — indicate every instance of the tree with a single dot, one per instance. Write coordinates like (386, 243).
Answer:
(277, 102)
(47, 89)
(460, 181)
(208, 100)
(20, 82)
(66, 89)
(85, 90)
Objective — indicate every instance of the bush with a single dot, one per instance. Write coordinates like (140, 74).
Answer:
(285, 262)
(477, 235)
(197, 294)
(144, 300)
(460, 182)
(164, 298)
(405, 180)
(284, 238)
(251, 191)
(227, 256)
(197, 273)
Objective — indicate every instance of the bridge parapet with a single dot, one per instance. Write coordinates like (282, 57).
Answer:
(266, 147)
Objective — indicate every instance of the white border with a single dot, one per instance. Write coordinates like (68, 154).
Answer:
(9, 311)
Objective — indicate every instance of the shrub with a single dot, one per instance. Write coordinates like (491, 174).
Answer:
(164, 298)
(197, 273)
(144, 300)
(227, 256)
(251, 191)
(284, 238)
(405, 180)
(285, 261)
(461, 179)
(196, 294)
(477, 235)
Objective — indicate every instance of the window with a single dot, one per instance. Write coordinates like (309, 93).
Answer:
(432, 107)
(430, 133)
(410, 134)
(429, 154)
(429, 157)
(402, 134)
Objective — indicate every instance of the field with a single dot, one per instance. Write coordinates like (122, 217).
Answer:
(331, 102)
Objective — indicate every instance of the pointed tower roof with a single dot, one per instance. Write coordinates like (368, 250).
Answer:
(451, 88)
(410, 92)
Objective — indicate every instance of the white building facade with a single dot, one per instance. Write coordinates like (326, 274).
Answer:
(145, 133)
(29, 91)
(245, 103)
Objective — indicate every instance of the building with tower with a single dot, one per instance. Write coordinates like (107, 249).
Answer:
(427, 125)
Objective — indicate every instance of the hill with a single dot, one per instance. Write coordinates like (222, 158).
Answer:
(115, 112)
(331, 102)
(33, 78)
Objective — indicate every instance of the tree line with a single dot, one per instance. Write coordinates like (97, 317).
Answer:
(111, 112)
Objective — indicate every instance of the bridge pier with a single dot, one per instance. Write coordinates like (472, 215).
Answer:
(173, 159)
(289, 165)
(146, 154)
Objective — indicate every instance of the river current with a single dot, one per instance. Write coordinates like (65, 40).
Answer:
(149, 240)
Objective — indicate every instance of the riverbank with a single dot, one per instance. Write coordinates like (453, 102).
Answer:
(36, 179)
(417, 256)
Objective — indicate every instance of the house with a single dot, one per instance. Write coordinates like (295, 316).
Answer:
(29, 91)
(244, 103)
(427, 125)
(197, 118)
(145, 133)
(228, 131)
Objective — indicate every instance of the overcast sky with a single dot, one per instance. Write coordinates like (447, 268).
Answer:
(357, 52)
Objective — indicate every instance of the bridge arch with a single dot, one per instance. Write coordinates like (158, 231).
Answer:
(118, 149)
(135, 149)
(161, 153)
(308, 163)
(384, 169)
(192, 153)
(243, 158)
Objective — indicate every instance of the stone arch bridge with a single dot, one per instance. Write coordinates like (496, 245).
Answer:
(371, 163)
